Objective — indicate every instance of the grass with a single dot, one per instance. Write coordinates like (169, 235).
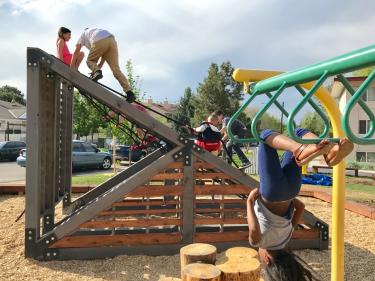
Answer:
(94, 179)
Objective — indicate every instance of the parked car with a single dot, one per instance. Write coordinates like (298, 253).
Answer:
(10, 150)
(122, 153)
(84, 155)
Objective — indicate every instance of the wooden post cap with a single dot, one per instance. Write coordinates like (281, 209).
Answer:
(169, 279)
(245, 269)
(198, 249)
(237, 252)
(201, 272)
(197, 252)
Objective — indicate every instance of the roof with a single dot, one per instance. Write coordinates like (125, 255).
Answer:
(11, 110)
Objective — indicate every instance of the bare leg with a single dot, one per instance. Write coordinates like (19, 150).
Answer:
(76, 63)
(282, 142)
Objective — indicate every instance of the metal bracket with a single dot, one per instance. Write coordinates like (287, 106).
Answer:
(48, 222)
(51, 254)
(185, 153)
(323, 227)
(197, 148)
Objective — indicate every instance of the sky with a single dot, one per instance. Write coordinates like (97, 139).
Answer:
(172, 43)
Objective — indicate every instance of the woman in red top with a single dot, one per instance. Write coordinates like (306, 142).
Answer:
(63, 36)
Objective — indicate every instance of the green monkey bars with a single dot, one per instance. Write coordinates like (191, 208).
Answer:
(273, 83)
(319, 73)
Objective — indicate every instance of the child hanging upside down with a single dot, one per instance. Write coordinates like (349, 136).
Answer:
(273, 210)
(209, 137)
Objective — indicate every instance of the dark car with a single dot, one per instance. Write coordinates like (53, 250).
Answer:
(10, 149)
(122, 153)
(85, 155)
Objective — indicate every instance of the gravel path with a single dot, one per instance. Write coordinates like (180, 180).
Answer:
(359, 253)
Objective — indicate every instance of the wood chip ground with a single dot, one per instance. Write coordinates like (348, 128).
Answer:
(359, 253)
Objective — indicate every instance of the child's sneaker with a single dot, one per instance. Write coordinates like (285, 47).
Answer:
(130, 97)
(97, 75)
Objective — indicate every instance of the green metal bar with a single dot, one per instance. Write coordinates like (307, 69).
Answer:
(235, 116)
(345, 63)
(290, 126)
(348, 108)
(364, 106)
(258, 116)
(318, 110)
(279, 106)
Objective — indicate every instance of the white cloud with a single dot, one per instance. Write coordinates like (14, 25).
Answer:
(31, 6)
(172, 42)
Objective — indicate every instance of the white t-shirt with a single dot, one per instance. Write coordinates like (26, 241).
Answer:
(90, 36)
(276, 231)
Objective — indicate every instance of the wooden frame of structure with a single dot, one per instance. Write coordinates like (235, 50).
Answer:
(177, 195)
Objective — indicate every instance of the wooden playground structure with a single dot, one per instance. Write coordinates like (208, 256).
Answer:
(177, 195)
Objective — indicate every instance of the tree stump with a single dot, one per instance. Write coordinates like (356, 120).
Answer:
(239, 269)
(240, 252)
(201, 272)
(197, 252)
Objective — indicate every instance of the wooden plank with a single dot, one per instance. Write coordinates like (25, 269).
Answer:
(88, 241)
(229, 236)
(200, 221)
(168, 176)
(306, 234)
(209, 237)
(140, 202)
(131, 223)
(204, 175)
(218, 201)
(214, 210)
(139, 212)
(156, 190)
(203, 165)
(221, 189)
(176, 165)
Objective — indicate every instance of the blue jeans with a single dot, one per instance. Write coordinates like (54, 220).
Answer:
(231, 145)
(279, 181)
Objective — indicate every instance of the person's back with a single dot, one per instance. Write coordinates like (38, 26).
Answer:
(209, 136)
(103, 47)
(237, 127)
(92, 35)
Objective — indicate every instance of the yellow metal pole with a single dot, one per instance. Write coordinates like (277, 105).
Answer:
(338, 193)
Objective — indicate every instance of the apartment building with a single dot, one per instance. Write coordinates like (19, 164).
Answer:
(358, 120)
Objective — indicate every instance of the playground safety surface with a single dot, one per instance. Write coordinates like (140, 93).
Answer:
(359, 253)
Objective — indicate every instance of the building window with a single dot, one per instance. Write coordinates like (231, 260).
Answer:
(362, 126)
(371, 157)
(360, 156)
(371, 94)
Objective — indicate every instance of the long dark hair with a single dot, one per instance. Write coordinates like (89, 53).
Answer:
(286, 266)
(62, 30)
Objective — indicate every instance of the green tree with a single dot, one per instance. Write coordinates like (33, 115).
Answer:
(184, 112)
(266, 122)
(81, 114)
(313, 122)
(217, 91)
(9, 94)
(135, 85)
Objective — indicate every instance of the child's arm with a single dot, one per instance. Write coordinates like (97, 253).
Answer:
(60, 46)
(254, 229)
(223, 131)
(299, 207)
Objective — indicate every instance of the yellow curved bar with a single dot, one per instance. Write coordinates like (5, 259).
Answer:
(338, 193)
